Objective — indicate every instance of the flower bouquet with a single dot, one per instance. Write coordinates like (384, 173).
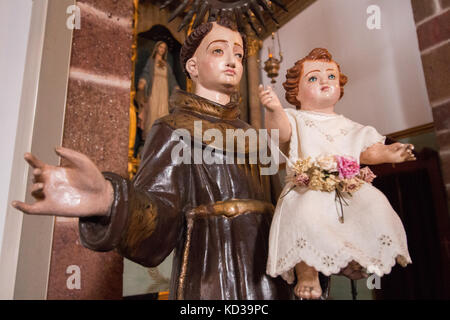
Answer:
(329, 173)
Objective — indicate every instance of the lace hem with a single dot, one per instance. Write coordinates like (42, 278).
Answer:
(329, 264)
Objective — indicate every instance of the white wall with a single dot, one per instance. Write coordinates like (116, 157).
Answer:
(386, 87)
(34, 64)
(15, 17)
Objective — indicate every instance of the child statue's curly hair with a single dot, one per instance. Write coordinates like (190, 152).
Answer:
(293, 75)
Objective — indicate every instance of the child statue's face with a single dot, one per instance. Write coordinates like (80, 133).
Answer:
(319, 85)
(217, 62)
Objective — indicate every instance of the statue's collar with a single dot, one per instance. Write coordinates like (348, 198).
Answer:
(192, 102)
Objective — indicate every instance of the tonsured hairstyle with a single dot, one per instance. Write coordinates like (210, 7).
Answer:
(195, 38)
(155, 49)
(293, 75)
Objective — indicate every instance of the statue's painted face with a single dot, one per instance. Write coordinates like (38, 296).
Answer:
(217, 62)
(162, 49)
(319, 84)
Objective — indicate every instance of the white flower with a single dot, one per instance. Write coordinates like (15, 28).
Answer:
(327, 162)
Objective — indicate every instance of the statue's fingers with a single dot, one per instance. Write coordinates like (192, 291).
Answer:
(396, 146)
(265, 100)
(28, 208)
(33, 161)
(408, 155)
(37, 190)
(266, 103)
(404, 154)
(74, 158)
(37, 175)
(264, 93)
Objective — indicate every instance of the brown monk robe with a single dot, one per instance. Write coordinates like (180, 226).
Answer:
(217, 217)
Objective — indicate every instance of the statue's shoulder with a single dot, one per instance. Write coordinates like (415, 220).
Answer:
(178, 120)
(186, 120)
(197, 124)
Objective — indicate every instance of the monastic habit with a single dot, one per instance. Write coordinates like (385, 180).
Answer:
(215, 216)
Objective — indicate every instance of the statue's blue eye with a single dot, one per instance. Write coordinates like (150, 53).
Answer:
(312, 79)
(331, 77)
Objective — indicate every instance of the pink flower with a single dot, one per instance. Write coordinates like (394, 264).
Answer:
(347, 167)
(367, 175)
(301, 179)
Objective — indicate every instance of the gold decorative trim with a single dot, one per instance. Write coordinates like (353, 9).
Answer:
(187, 245)
(192, 102)
(414, 131)
(254, 45)
(232, 208)
(185, 120)
(133, 163)
(163, 295)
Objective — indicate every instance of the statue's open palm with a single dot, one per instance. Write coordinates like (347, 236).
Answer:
(77, 189)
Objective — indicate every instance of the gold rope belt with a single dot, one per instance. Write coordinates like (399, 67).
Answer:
(231, 208)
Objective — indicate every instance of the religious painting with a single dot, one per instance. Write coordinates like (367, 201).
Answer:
(157, 73)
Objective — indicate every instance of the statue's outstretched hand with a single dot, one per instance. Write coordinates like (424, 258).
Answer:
(269, 98)
(77, 189)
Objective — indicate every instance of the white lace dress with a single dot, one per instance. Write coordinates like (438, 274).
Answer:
(306, 227)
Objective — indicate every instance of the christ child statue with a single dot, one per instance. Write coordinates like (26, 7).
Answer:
(329, 214)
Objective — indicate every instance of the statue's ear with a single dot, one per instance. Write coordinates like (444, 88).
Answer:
(192, 67)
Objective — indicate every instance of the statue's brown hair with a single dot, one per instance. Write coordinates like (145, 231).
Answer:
(195, 38)
(293, 75)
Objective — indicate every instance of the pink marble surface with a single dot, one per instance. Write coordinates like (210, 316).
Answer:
(96, 124)
(119, 8)
(102, 45)
(100, 273)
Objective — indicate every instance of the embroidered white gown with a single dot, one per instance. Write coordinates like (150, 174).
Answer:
(305, 226)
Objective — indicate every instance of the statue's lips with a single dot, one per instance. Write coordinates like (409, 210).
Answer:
(230, 72)
(325, 88)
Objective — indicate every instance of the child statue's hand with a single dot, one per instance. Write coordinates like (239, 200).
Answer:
(392, 153)
(269, 99)
(400, 152)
